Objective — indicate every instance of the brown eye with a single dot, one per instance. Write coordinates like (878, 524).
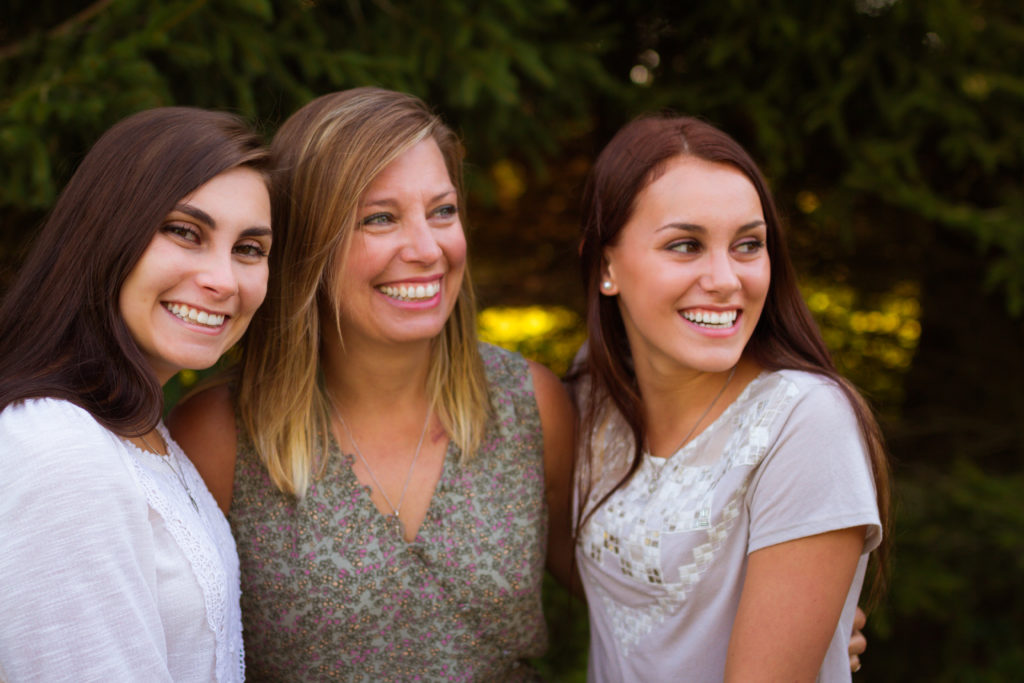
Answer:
(685, 246)
(251, 250)
(750, 246)
(186, 232)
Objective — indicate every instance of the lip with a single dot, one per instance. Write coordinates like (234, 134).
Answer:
(182, 312)
(392, 291)
(708, 330)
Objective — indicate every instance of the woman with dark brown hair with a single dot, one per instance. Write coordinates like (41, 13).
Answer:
(117, 563)
(732, 483)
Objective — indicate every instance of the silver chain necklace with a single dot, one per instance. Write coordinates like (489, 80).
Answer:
(395, 509)
(166, 459)
(702, 416)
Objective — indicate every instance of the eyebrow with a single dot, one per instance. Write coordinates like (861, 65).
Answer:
(202, 216)
(196, 213)
(700, 229)
(391, 202)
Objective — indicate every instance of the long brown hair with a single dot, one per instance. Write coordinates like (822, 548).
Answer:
(61, 330)
(786, 335)
(326, 155)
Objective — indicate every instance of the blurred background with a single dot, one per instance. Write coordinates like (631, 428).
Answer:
(892, 132)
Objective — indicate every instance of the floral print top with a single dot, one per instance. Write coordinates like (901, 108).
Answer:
(331, 591)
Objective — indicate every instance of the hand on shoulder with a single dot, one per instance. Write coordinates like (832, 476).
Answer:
(204, 426)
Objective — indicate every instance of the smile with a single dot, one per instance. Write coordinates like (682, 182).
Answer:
(417, 292)
(194, 315)
(711, 318)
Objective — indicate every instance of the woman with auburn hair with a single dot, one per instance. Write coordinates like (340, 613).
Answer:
(732, 483)
(389, 478)
(117, 564)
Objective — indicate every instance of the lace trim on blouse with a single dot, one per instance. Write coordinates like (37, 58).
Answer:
(211, 555)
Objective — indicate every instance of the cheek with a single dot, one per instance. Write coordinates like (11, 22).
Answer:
(256, 286)
(762, 281)
(454, 248)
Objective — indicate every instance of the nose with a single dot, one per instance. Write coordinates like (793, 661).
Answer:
(420, 243)
(720, 273)
(216, 274)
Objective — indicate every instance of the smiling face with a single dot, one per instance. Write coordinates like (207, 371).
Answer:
(401, 276)
(195, 288)
(690, 268)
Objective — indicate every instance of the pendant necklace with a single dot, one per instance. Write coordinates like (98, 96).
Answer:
(166, 459)
(703, 415)
(395, 509)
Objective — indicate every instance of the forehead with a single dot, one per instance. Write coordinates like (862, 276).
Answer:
(687, 188)
(420, 168)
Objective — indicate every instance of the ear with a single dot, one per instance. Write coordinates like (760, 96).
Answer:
(608, 285)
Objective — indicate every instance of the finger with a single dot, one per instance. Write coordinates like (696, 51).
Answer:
(854, 663)
(859, 619)
(858, 643)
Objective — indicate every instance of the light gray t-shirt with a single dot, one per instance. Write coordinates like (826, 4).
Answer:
(663, 560)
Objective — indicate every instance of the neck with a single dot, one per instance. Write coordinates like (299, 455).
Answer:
(678, 406)
(380, 381)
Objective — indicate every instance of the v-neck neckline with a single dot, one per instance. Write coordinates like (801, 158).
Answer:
(743, 396)
(348, 475)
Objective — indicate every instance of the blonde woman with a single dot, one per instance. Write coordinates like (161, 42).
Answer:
(389, 479)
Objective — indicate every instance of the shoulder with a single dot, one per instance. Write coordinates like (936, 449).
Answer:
(59, 464)
(53, 413)
(508, 377)
(498, 361)
(815, 399)
(49, 429)
(204, 426)
(551, 394)
(510, 371)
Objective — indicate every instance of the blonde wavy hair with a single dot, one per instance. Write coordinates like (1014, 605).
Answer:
(325, 156)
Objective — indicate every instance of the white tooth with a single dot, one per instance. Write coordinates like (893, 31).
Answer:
(193, 314)
(421, 291)
(435, 288)
(402, 290)
(203, 318)
(215, 320)
(713, 318)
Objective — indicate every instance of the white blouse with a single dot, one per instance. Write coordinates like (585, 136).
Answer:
(115, 563)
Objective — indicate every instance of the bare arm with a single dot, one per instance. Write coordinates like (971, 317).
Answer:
(204, 427)
(792, 598)
(558, 422)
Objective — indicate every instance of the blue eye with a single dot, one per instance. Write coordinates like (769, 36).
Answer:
(446, 211)
(378, 219)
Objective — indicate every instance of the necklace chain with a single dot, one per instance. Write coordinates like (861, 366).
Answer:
(703, 415)
(408, 476)
(165, 457)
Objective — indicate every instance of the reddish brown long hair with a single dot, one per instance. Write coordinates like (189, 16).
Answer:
(786, 335)
(61, 330)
